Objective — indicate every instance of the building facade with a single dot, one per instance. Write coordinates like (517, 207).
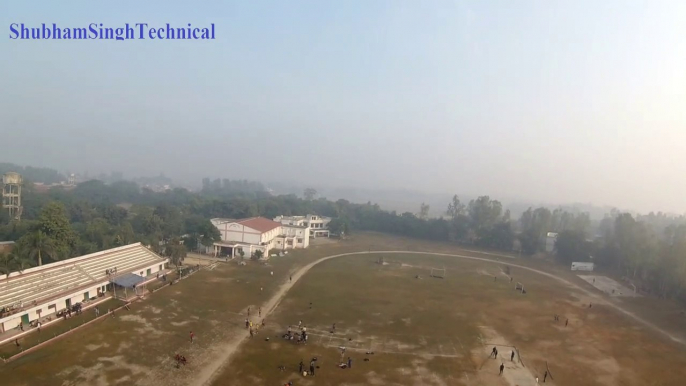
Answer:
(318, 225)
(244, 237)
(45, 290)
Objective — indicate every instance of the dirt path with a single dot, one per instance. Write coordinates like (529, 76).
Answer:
(207, 375)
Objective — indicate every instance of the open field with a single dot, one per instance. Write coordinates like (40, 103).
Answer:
(422, 331)
(440, 332)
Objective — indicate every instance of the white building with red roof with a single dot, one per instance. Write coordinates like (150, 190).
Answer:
(254, 234)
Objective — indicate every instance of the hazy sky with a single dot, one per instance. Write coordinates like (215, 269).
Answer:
(547, 100)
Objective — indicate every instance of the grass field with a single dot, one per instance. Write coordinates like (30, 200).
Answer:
(422, 331)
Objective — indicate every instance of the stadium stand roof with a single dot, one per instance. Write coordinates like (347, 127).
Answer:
(40, 284)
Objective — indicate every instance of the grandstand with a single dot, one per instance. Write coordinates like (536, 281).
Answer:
(40, 291)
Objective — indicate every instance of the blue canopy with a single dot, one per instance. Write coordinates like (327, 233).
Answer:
(129, 280)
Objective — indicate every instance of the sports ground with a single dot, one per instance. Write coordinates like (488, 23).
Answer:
(398, 325)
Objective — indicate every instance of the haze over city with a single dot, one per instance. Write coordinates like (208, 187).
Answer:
(553, 101)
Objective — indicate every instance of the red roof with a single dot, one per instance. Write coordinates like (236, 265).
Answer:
(259, 224)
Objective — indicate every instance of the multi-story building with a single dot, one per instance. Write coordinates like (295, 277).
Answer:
(246, 236)
(318, 225)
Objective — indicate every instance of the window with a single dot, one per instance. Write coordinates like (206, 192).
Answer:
(300, 241)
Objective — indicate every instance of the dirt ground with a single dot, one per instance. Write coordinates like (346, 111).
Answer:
(421, 331)
(609, 286)
(432, 331)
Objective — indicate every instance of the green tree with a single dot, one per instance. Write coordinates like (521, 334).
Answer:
(571, 245)
(309, 194)
(500, 236)
(455, 208)
(423, 211)
(54, 223)
(175, 251)
(14, 261)
(258, 254)
(484, 212)
(38, 246)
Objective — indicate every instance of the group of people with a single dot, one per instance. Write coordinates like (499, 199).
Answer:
(180, 360)
(300, 337)
(557, 319)
(494, 355)
(301, 367)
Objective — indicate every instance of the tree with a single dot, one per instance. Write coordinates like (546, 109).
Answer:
(14, 261)
(423, 211)
(500, 236)
(534, 224)
(258, 254)
(309, 194)
(39, 245)
(175, 251)
(571, 245)
(455, 208)
(54, 223)
(484, 212)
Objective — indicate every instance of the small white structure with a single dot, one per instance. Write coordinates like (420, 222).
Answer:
(550, 239)
(578, 266)
(41, 291)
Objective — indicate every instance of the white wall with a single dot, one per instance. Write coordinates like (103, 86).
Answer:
(61, 302)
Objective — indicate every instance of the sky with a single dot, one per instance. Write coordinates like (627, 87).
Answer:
(561, 101)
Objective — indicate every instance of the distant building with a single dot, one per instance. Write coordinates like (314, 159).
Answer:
(550, 239)
(319, 225)
(258, 233)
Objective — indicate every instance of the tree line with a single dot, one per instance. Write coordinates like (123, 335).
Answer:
(649, 250)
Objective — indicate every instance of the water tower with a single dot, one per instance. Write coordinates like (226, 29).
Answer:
(11, 194)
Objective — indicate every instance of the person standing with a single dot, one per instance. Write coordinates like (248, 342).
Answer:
(512, 356)
(192, 336)
(290, 278)
(350, 363)
(566, 322)
(496, 353)
(502, 367)
(492, 353)
(545, 375)
(300, 367)
(312, 367)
